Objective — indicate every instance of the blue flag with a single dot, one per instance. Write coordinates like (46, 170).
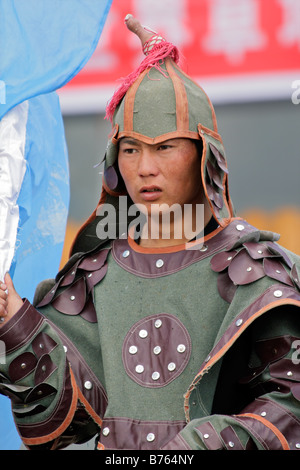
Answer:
(43, 200)
(45, 43)
(9, 437)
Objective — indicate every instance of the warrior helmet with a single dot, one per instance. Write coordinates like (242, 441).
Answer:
(157, 102)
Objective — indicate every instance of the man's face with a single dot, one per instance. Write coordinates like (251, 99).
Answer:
(166, 173)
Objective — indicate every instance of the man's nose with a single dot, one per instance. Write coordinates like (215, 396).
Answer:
(147, 164)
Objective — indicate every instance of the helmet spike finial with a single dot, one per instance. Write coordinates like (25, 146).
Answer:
(133, 24)
(155, 48)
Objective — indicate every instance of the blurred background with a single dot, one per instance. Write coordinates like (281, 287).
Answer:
(246, 56)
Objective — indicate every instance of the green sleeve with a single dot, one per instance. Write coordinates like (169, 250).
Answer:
(271, 419)
(36, 375)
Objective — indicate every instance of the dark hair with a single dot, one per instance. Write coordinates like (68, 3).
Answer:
(199, 145)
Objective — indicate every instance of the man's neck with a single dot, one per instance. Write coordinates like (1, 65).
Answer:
(181, 230)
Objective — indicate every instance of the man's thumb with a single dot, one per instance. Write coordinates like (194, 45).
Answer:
(14, 300)
(9, 283)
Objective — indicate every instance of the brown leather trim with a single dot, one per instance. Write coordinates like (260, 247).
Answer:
(168, 363)
(282, 367)
(62, 301)
(161, 138)
(182, 105)
(270, 352)
(45, 367)
(177, 443)
(206, 130)
(209, 436)
(114, 134)
(43, 344)
(255, 421)
(16, 372)
(21, 328)
(208, 100)
(261, 305)
(231, 439)
(129, 102)
(175, 258)
(286, 424)
(60, 419)
(128, 434)
(195, 245)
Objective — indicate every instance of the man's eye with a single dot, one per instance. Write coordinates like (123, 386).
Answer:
(164, 147)
(129, 150)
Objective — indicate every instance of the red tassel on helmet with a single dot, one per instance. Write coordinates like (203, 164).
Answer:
(156, 49)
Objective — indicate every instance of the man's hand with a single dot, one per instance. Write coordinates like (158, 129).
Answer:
(10, 301)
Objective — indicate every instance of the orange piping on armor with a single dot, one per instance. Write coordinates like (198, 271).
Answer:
(129, 102)
(208, 99)
(161, 138)
(269, 425)
(182, 106)
(67, 421)
(172, 249)
(202, 129)
(227, 346)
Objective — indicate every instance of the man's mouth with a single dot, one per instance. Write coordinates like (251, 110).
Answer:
(151, 189)
(150, 193)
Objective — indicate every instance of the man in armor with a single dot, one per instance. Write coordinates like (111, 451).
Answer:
(183, 340)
